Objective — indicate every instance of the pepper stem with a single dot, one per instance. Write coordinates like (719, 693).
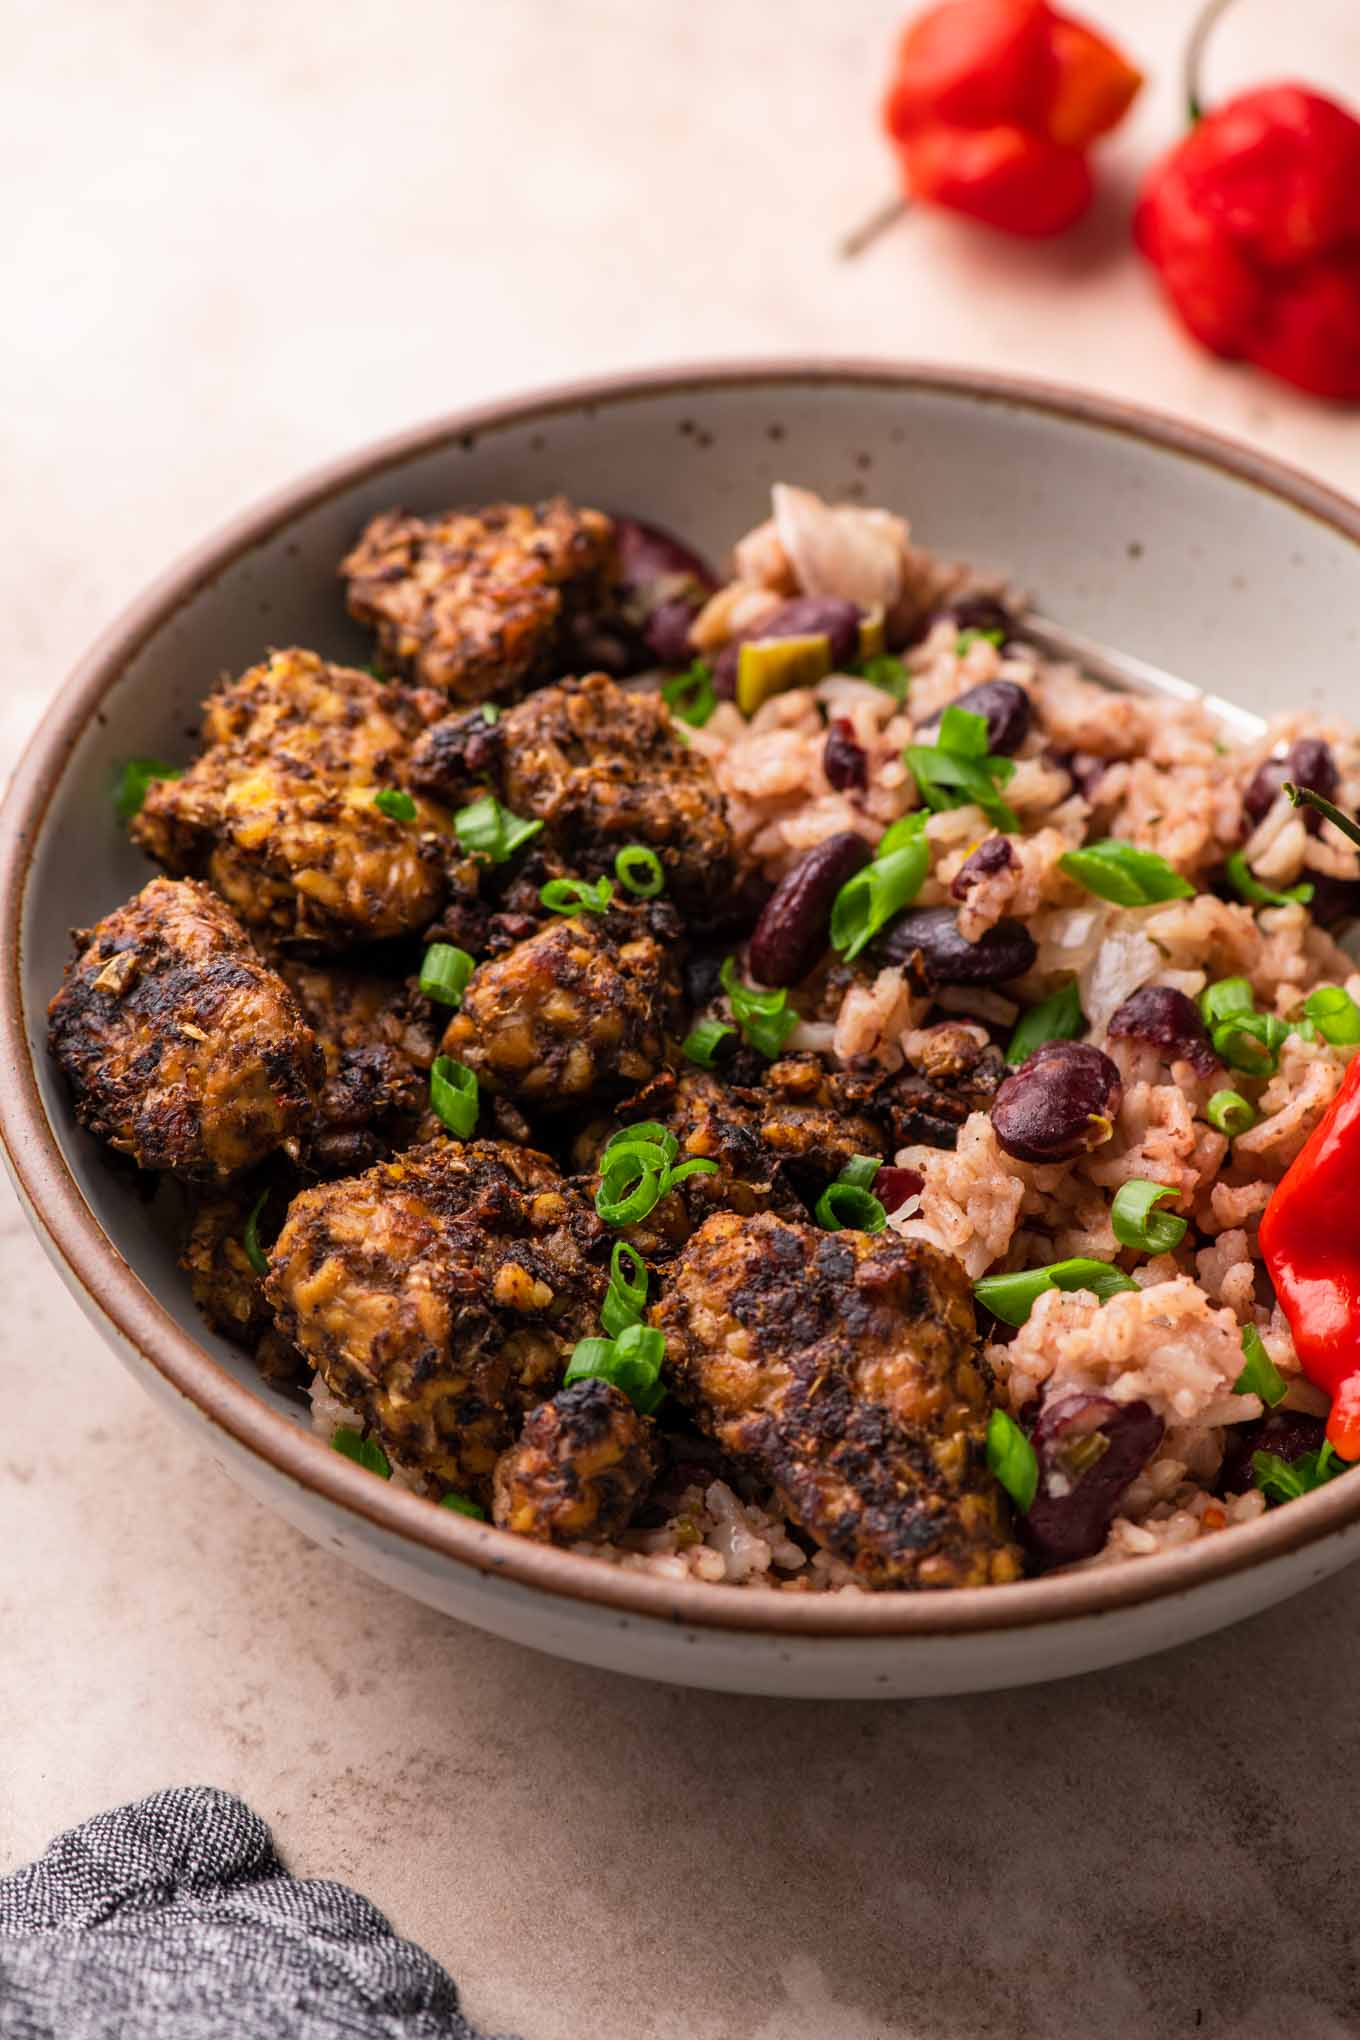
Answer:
(860, 237)
(1304, 796)
(1194, 55)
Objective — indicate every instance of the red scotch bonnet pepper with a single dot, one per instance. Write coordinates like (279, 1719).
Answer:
(1253, 224)
(993, 105)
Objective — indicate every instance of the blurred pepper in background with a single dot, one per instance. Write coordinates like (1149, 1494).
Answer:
(1253, 224)
(993, 104)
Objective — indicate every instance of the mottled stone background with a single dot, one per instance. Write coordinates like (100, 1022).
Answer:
(238, 239)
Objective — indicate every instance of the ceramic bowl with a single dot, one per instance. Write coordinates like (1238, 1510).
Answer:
(1201, 557)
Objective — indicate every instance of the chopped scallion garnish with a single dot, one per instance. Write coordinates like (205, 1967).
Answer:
(956, 771)
(444, 973)
(577, 895)
(396, 805)
(134, 781)
(701, 1044)
(868, 901)
(639, 871)
(848, 1204)
(1259, 1376)
(966, 639)
(1058, 1018)
(486, 829)
(1012, 1459)
(631, 1362)
(1334, 1013)
(1284, 1480)
(1249, 888)
(454, 1096)
(250, 1238)
(765, 1019)
(690, 695)
(1230, 1112)
(363, 1451)
(1137, 1223)
(885, 671)
(1012, 1297)
(1123, 873)
(463, 1505)
(626, 1297)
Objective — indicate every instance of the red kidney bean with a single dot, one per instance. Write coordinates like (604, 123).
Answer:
(1166, 1019)
(1335, 900)
(792, 930)
(995, 855)
(978, 612)
(928, 942)
(1289, 1434)
(803, 616)
(1309, 763)
(892, 1186)
(844, 760)
(662, 587)
(1006, 708)
(1061, 1102)
(1090, 1448)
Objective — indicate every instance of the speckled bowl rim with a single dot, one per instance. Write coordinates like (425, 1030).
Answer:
(111, 1287)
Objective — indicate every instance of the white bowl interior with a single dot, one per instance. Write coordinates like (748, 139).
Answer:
(1149, 549)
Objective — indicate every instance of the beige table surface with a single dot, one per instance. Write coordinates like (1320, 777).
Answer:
(250, 235)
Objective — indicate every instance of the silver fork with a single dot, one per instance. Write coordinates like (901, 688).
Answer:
(1129, 675)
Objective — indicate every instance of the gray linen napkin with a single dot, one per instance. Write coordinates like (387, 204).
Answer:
(174, 1916)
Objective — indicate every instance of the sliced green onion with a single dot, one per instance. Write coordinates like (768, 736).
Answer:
(690, 695)
(645, 1132)
(1058, 1018)
(396, 805)
(490, 713)
(1250, 1042)
(1304, 796)
(765, 1019)
(844, 1206)
(464, 1505)
(963, 732)
(250, 1238)
(1230, 1113)
(698, 1165)
(1228, 996)
(1259, 1376)
(869, 900)
(1284, 1480)
(363, 1451)
(453, 1095)
(1137, 1223)
(700, 1045)
(1125, 874)
(134, 782)
(950, 779)
(631, 1362)
(630, 1187)
(626, 1297)
(1335, 1014)
(577, 895)
(444, 973)
(639, 871)
(967, 638)
(1012, 1459)
(860, 1170)
(885, 671)
(486, 829)
(1012, 1297)
(1249, 888)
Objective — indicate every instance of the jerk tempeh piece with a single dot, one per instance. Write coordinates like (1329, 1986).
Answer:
(182, 1048)
(582, 1465)
(480, 603)
(378, 1039)
(842, 1367)
(440, 1295)
(279, 812)
(600, 767)
(581, 1009)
